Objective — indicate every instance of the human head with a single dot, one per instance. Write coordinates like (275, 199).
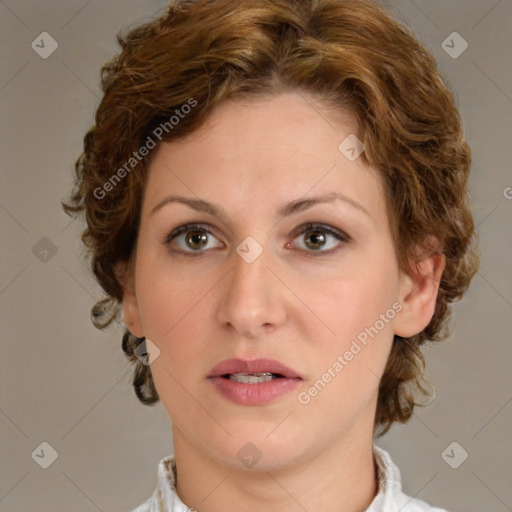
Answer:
(351, 56)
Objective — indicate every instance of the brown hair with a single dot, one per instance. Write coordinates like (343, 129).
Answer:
(351, 56)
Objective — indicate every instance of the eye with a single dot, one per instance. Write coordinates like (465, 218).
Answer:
(193, 238)
(317, 239)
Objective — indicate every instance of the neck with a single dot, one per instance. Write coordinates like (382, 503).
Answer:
(342, 478)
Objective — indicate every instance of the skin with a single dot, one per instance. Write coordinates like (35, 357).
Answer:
(291, 304)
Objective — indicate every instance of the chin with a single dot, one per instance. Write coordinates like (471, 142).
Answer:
(259, 448)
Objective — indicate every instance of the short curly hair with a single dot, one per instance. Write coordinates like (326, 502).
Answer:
(352, 56)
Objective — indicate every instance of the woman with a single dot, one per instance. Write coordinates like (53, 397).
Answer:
(276, 199)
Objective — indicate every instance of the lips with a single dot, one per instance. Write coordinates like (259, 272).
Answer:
(255, 366)
(253, 383)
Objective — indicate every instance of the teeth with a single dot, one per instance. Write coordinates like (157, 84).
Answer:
(252, 378)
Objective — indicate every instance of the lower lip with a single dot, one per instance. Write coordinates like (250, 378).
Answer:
(253, 394)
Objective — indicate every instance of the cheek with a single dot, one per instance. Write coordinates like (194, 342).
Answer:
(175, 321)
(352, 305)
(347, 367)
(163, 297)
(359, 309)
(173, 315)
(177, 329)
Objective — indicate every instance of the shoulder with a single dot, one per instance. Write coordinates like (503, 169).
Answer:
(407, 504)
(390, 486)
(164, 498)
(145, 507)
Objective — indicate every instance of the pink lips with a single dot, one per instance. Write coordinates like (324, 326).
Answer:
(257, 393)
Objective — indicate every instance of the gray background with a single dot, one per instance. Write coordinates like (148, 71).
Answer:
(68, 384)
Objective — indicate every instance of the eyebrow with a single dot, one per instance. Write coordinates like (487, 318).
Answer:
(286, 210)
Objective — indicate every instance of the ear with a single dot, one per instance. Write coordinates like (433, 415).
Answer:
(125, 274)
(419, 289)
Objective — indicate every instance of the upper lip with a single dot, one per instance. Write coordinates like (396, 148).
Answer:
(231, 366)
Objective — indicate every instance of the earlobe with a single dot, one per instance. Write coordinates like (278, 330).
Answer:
(131, 315)
(418, 295)
(130, 305)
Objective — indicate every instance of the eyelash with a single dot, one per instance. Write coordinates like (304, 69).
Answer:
(339, 235)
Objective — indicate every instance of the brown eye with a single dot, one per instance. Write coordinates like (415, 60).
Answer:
(191, 238)
(321, 239)
(317, 239)
(196, 239)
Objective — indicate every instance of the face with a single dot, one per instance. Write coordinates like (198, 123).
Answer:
(253, 281)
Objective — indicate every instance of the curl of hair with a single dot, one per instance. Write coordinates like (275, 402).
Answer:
(142, 378)
(347, 54)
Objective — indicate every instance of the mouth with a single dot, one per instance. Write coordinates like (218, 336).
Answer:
(252, 378)
(262, 368)
(253, 382)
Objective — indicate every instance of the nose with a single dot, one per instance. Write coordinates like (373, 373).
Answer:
(252, 302)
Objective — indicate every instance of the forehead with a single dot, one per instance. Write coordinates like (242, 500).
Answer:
(265, 151)
(291, 119)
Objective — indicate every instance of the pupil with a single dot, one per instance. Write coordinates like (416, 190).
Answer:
(318, 239)
(196, 237)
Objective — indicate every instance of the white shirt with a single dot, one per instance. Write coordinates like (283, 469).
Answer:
(389, 498)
